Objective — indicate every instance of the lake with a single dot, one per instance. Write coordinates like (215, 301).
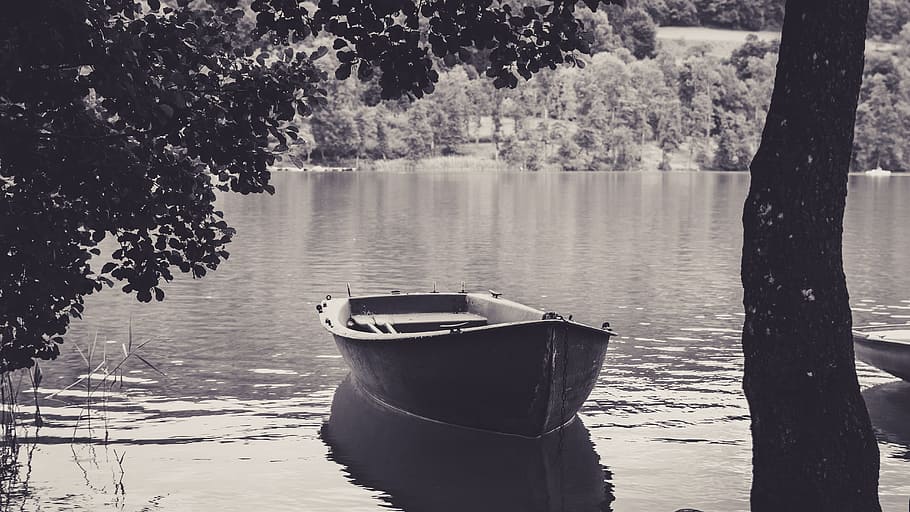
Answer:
(236, 422)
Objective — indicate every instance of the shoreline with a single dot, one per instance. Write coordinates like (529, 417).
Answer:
(465, 163)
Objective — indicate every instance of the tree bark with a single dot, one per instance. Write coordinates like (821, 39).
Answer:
(813, 444)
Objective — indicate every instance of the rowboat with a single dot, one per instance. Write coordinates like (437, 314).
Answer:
(424, 465)
(886, 347)
(474, 360)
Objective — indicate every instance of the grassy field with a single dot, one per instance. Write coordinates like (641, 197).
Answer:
(721, 42)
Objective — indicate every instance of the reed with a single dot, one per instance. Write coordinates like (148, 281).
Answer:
(103, 371)
(101, 375)
(10, 481)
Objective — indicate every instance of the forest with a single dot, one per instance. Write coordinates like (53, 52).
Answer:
(636, 103)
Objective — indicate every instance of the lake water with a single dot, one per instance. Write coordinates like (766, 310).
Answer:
(250, 375)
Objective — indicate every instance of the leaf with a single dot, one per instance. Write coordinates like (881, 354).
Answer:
(167, 109)
(364, 71)
(108, 267)
(343, 71)
(321, 51)
(154, 5)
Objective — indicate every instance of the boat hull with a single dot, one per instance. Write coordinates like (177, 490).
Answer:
(892, 356)
(524, 378)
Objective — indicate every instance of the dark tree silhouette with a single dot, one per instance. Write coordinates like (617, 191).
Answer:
(813, 445)
(120, 119)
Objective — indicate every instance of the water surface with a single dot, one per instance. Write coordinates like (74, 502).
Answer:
(239, 420)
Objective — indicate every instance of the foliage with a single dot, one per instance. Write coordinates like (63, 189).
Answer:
(680, 13)
(752, 48)
(600, 24)
(396, 39)
(636, 29)
(715, 108)
(121, 120)
(741, 14)
(418, 132)
(450, 117)
(608, 111)
(523, 150)
(734, 153)
(887, 17)
(734, 14)
(882, 126)
(334, 126)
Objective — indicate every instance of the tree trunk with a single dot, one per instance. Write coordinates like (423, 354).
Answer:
(813, 445)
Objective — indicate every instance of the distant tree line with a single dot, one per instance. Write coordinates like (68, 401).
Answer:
(883, 116)
(630, 103)
(733, 14)
(887, 18)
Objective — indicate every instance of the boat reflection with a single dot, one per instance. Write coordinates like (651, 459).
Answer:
(422, 465)
(889, 408)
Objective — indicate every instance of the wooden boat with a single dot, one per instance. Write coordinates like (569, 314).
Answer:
(424, 465)
(469, 359)
(886, 347)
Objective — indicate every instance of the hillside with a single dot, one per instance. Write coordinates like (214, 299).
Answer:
(649, 97)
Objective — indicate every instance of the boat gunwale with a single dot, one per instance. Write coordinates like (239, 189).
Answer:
(338, 328)
(867, 334)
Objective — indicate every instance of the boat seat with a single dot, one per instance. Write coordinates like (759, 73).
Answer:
(417, 322)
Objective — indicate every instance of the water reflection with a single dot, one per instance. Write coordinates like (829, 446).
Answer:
(420, 465)
(15, 466)
(889, 408)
